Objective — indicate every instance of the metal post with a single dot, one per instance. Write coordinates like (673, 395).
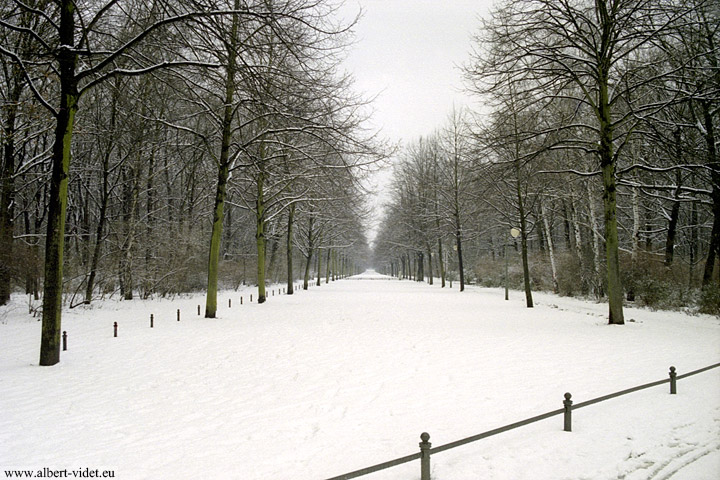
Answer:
(506, 273)
(64, 340)
(229, 302)
(241, 301)
(568, 413)
(425, 456)
(251, 298)
(178, 314)
(152, 321)
(115, 329)
(673, 381)
(198, 310)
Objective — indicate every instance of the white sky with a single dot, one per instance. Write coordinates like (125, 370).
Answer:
(408, 52)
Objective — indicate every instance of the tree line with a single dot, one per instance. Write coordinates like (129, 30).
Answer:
(158, 147)
(595, 139)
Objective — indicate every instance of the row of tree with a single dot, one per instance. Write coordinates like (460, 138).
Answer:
(150, 143)
(596, 141)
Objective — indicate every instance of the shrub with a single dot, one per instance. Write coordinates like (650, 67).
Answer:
(652, 284)
(709, 301)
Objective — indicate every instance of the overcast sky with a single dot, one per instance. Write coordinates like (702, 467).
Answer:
(408, 52)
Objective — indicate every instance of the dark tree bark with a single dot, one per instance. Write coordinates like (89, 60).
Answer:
(55, 240)
(714, 165)
(289, 249)
(672, 224)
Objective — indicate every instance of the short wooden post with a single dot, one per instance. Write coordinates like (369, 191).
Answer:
(152, 320)
(673, 381)
(567, 403)
(64, 340)
(115, 329)
(425, 456)
(178, 314)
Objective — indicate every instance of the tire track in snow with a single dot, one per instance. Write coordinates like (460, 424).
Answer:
(681, 454)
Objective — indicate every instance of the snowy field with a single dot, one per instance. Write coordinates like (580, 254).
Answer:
(348, 375)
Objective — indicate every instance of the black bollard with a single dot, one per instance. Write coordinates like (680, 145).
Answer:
(673, 381)
(425, 456)
(240, 300)
(567, 403)
(178, 315)
(198, 310)
(152, 320)
(115, 329)
(229, 302)
(64, 340)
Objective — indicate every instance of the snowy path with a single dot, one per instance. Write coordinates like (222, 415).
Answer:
(347, 375)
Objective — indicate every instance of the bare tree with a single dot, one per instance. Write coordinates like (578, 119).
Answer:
(590, 52)
(78, 46)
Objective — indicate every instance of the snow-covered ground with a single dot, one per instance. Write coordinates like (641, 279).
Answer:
(348, 375)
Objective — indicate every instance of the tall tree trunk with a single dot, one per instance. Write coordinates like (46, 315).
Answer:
(430, 265)
(420, 276)
(308, 257)
(411, 266)
(319, 268)
(7, 196)
(15, 84)
(7, 204)
(260, 244)
(260, 225)
(672, 223)
(458, 244)
(274, 243)
(306, 277)
(104, 199)
(327, 266)
(97, 247)
(714, 165)
(577, 231)
(216, 235)
(594, 243)
(636, 226)
(32, 268)
(223, 173)
(566, 225)
(635, 239)
(441, 263)
(130, 204)
(524, 245)
(289, 249)
(607, 164)
(694, 240)
(551, 249)
(55, 240)
(334, 268)
(714, 247)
